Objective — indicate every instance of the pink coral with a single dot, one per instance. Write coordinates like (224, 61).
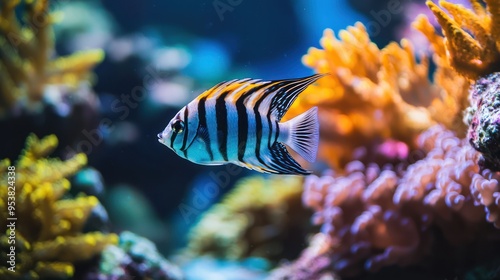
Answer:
(380, 216)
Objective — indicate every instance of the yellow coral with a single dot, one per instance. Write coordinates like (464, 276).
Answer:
(472, 36)
(259, 217)
(48, 227)
(374, 93)
(27, 62)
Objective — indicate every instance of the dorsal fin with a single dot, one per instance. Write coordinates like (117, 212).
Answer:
(288, 91)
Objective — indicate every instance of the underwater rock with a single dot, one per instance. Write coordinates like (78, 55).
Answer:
(484, 120)
(373, 217)
(134, 257)
(260, 217)
(48, 230)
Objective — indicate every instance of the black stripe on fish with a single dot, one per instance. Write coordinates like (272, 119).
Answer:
(258, 128)
(222, 126)
(243, 120)
(184, 139)
(258, 124)
(174, 135)
(202, 124)
(276, 132)
(242, 127)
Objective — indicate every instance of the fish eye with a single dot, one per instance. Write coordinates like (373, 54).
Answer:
(178, 126)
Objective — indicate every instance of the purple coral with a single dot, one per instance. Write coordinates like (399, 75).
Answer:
(484, 120)
(356, 210)
(376, 217)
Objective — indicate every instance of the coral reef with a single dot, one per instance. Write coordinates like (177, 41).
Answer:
(48, 229)
(472, 36)
(27, 59)
(417, 189)
(261, 217)
(134, 257)
(373, 94)
(471, 46)
(375, 216)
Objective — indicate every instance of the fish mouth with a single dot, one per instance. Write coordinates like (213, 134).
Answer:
(160, 138)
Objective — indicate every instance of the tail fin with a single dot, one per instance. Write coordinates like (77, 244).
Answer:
(303, 134)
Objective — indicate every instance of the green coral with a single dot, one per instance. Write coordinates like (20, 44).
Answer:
(48, 237)
(260, 217)
(27, 62)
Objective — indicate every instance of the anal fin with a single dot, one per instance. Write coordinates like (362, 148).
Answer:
(281, 162)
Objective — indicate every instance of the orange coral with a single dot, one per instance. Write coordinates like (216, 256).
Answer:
(453, 86)
(472, 37)
(374, 93)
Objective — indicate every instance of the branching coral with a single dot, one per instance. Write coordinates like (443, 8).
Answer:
(471, 45)
(472, 36)
(260, 217)
(372, 216)
(27, 62)
(375, 94)
(48, 236)
(453, 86)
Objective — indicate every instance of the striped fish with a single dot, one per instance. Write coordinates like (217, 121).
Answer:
(239, 122)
